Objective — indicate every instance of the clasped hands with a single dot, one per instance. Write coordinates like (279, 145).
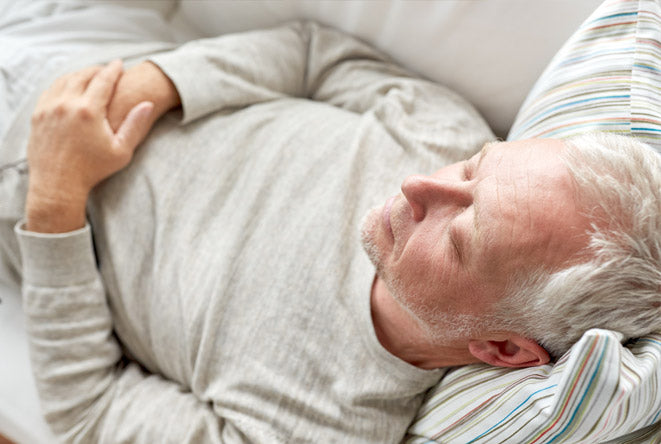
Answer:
(85, 128)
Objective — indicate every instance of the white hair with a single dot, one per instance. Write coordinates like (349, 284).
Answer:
(618, 285)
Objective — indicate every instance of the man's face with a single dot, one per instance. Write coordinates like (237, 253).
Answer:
(447, 246)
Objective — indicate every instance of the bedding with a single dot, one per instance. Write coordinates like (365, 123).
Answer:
(19, 408)
(606, 77)
(597, 392)
(490, 52)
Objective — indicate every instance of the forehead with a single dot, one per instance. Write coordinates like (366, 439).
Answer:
(527, 207)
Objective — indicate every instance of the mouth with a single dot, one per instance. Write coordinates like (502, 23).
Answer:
(386, 215)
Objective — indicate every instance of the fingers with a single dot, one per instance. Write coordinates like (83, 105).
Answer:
(102, 85)
(71, 84)
(76, 83)
(135, 127)
(97, 80)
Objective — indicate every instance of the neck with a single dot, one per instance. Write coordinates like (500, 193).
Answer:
(401, 334)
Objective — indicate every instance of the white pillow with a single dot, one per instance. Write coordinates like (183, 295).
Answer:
(489, 52)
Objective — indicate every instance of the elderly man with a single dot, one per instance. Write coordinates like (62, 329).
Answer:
(229, 259)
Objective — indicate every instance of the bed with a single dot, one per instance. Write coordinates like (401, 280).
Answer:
(520, 63)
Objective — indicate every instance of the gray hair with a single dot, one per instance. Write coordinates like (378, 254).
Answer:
(618, 286)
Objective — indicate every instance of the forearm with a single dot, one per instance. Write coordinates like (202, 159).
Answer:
(237, 70)
(302, 59)
(72, 351)
(85, 394)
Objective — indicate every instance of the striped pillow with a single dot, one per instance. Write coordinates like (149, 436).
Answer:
(607, 77)
(597, 392)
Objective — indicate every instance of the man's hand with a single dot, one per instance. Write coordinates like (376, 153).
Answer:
(73, 147)
(142, 82)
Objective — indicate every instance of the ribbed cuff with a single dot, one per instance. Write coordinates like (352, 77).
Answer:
(56, 260)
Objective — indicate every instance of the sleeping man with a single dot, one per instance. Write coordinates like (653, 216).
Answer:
(226, 295)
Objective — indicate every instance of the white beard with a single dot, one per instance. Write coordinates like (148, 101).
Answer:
(440, 327)
(368, 228)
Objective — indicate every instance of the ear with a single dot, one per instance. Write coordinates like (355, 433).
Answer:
(515, 351)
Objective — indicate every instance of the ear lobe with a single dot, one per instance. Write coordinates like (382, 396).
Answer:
(515, 351)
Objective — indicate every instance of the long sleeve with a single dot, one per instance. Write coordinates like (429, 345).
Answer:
(236, 70)
(88, 393)
(307, 60)
(302, 59)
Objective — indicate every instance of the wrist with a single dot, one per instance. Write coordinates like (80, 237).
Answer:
(162, 91)
(54, 212)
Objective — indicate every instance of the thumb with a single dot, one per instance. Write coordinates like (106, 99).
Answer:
(135, 126)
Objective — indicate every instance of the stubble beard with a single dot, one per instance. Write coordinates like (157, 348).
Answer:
(440, 328)
(368, 230)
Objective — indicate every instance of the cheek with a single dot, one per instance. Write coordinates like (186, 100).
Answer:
(423, 267)
(436, 280)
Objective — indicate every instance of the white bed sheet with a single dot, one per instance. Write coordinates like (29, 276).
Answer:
(39, 36)
(20, 418)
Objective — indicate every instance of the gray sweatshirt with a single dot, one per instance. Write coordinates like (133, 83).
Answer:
(224, 295)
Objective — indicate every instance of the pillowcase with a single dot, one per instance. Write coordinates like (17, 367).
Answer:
(597, 392)
(607, 77)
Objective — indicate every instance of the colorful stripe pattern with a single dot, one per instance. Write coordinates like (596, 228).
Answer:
(600, 391)
(607, 77)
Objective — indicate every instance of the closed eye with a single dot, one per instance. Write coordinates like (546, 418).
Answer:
(455, 244)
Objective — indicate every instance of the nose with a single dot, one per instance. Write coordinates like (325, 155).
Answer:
(426, 192)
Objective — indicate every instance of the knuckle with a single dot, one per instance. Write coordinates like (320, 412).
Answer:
(84, 111)
(60, 109)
